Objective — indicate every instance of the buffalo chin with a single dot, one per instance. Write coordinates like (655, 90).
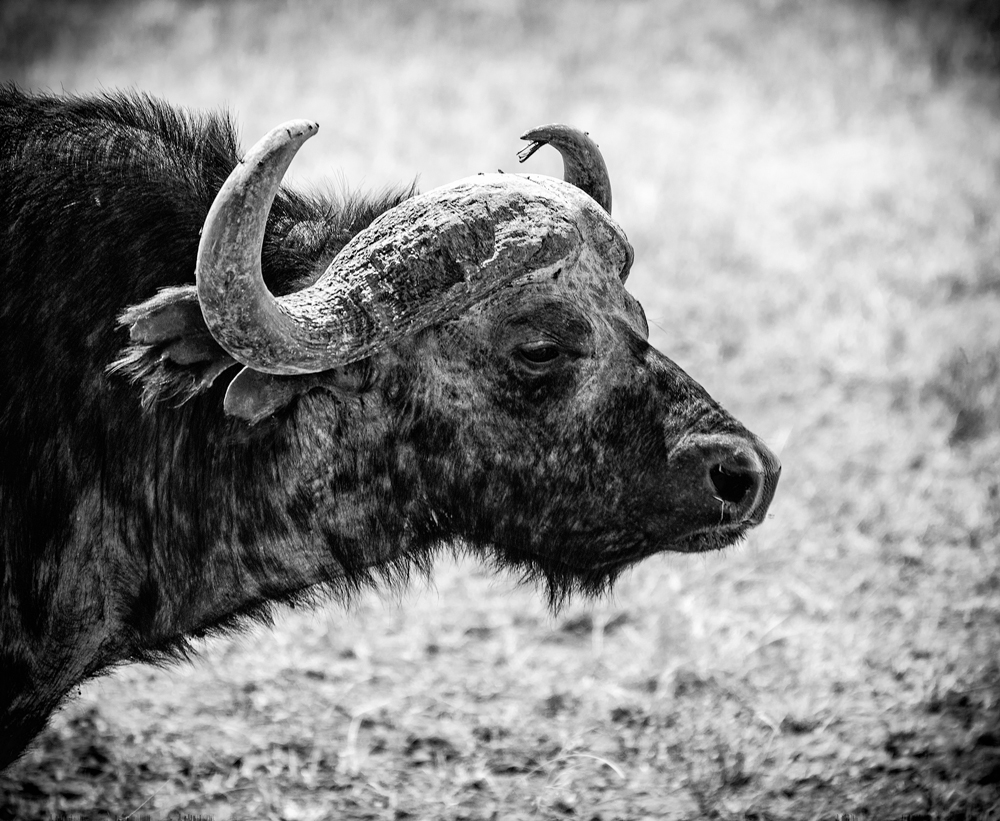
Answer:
(563, 579)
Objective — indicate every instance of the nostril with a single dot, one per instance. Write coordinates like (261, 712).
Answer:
(731, 485)
(731, 471)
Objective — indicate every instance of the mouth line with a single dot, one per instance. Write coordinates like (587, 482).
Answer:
(703, 540)
(633, 547)
(711, 538)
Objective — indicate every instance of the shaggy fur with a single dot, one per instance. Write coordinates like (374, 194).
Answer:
(537, 429)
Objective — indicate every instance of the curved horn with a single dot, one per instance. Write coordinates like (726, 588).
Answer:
(427, 259)
(244, 317)
(583, 165)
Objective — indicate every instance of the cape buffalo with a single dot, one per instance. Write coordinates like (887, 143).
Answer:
(218, 394)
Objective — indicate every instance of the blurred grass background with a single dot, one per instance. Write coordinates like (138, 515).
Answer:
(812, 192)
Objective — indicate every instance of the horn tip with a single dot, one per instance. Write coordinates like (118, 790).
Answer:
(301, 129)
(583, 165)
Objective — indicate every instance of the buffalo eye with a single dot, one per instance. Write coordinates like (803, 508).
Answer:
(539, 353)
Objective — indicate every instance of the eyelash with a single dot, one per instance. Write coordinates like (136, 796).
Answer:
(539, 353)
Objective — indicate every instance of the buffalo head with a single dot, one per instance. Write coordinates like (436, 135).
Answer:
(471, 368)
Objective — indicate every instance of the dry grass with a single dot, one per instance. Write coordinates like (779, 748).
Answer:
(813, 203)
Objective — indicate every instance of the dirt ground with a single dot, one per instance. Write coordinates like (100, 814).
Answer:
(813, 193)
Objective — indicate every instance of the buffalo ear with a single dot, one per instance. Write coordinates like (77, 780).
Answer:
(254, 396)
(171, 353)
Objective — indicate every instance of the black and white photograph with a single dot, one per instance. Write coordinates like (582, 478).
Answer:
(499, 410)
